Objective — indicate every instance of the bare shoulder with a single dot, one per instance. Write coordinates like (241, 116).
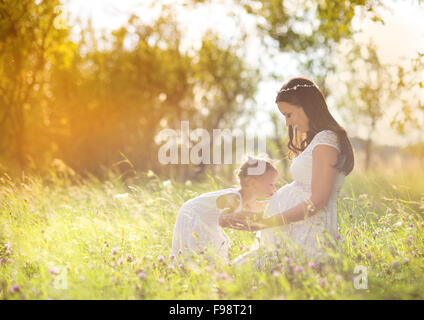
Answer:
(229, 200)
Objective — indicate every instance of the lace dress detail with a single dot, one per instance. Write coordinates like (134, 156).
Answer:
(302, 235)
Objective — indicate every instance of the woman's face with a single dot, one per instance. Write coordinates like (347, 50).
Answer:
(295, 116)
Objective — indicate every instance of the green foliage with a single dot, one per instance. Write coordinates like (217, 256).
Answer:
(28, 42)
(111, 240)
(91, 100)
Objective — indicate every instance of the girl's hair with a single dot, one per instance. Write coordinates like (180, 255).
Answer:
(303, 93)
(242, 173)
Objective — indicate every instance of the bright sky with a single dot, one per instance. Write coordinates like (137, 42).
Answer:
(402, 35)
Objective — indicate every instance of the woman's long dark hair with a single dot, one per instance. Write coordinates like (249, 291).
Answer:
(310, 99)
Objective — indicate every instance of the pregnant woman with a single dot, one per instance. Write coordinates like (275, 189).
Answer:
(301, 214)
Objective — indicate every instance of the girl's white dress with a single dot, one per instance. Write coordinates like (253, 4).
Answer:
(302, 236)
(197, 225)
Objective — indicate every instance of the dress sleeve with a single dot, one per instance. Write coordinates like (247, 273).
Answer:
(326, 137)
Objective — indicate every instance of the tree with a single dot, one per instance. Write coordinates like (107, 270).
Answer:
(369, 89)
(28, 39)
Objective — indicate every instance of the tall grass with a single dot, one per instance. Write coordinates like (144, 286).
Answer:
(111, 240)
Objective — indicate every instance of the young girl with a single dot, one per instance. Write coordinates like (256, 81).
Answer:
(198, 224)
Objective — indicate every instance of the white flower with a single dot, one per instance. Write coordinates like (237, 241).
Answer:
(121, 196)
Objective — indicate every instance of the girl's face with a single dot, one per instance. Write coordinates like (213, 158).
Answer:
(264, 185)
(295, 116)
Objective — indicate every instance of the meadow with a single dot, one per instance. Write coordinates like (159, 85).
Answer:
(62, 238)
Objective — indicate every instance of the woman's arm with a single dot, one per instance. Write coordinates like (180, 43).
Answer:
(323, 176)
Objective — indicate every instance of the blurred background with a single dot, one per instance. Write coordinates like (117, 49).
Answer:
(87, 85)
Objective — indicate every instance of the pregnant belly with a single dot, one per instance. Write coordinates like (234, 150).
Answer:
(301, 232)
(288, 196)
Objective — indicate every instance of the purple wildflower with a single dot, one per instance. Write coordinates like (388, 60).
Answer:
(114, 250)
(322, 282)
(141, 275)
(14, 288)
(161, 259)
(298, 269)
(54, 271)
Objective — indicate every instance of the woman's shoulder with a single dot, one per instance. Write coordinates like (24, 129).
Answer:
(326, 137)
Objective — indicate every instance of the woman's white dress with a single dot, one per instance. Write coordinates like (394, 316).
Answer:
(197, 225)
(303, 236)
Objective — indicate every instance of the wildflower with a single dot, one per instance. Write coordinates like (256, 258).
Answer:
(167, 183)
(409, 240)
(254, 288)
(113, 265)
(161, 280)
(14, 288)
(298, 269)
(422, 224)
(411, 225)
(54, 271)
(141, 275)
(114, 250)
(287, 260)
(368, 256)
(395, 264)
(312, 265)
(150, 174)
(414, 254)
(120, 261)
(172, 257)
(374, 234)
(181, 266)
(322, 282)
(128, 257)
(223, 276)
(275, 273)
(338, 237)
(121, 196)
(188, 183)
(3, 260)
(161, 259)
(91, 251)
(406, 260)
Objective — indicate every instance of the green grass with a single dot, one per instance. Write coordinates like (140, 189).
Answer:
(102, 237)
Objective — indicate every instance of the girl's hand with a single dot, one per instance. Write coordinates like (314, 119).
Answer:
(248, 221)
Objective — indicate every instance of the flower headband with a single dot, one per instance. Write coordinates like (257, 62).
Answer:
(298, 86)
